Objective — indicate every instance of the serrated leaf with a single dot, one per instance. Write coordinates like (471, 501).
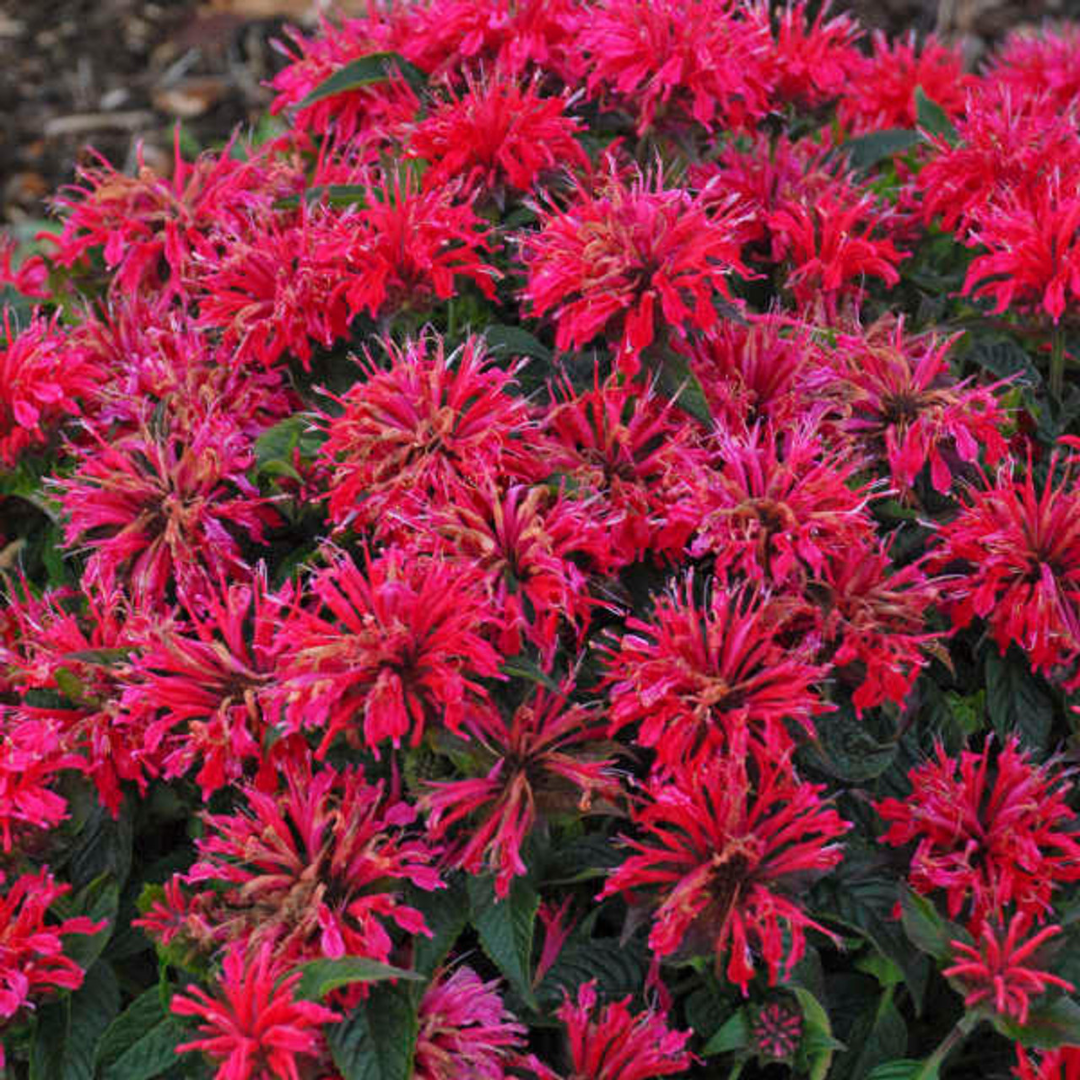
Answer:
(506, 929)
(733, 1036)
(377, 1040)
(1048, 1026)
(141, 1015)
(514, 341)
(151, 1055)
(1016, 702)
(846, 750)
(103, 846)
(817, 1046)
(367, 71)
(619, 970)
(933, 119)
(319, 977)
(66, 1032)
(923, 924)
(880, 1034)
(865, 151)
(446, 912)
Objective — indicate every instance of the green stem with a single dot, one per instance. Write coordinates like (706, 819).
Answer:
(964, 1027)
(1057, 363)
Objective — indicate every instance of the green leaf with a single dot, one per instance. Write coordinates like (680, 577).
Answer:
(618, 969)
(139, 1017)
(98, 900)
(506, 929)
(677, 381)
(367, 71)
(446, 912)
(514, 341)
(817, 1046)
(274, 447)
(928, 931)
(846, 750)
(733, 1036)
(319, 977)
(377, 1040)
(67, 1031)
(866, 151)
(903, 1069)
(1016, 701)
(1048, 1026)
(327, 194)
(933, 119)
(104, 845)
(521, 667)
(880, 1034)
(150, 1055)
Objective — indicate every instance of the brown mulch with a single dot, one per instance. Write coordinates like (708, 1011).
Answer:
(118, 75)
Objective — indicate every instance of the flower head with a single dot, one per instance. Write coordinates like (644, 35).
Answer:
(255, 1028)
(1001, 968)
(990, 830)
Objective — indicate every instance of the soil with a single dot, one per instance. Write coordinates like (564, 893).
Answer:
(118, 75)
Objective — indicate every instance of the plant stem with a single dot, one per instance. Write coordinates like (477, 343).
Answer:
(964, 1027)
(1057, 364)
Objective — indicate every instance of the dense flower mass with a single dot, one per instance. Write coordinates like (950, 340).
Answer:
(557, 558)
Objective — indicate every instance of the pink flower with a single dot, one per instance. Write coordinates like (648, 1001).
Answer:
(1045, 60)
(987, 838)
(43, 375)
(1060, 1064)
(1018, 550)
(670, 64)
(390, 647)
(997, 970)
(611, 1043)
(703, 668)
(424, 432)
(465, 1030)
(32, 963)
(317, 867)
(814, 62)
(538, 762)
(255, 1028)
(722, 844)
(619, 260)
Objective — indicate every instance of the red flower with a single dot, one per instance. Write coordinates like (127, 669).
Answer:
(703, 668)
(255, 1028)
(159, 511)
(1060, 1064)
(722, 844)
(814, 62)
(996, 970)
(392, 646)
(611, 1043)
(43, 374)
(32, 961)
(499, 135)
(316, 868)
(200, 690)
(628, 448)
(617, 257)
(902, 405)
(465, 1030)
(881, 91)
(987, 842)
(404, 249)
(669, 63)
(1033, 251)
(1020, 552)
(537, 763)
(1033, 62)
(778, 505)
(425, 432)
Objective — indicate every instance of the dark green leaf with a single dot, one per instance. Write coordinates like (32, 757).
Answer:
(377, 1040)
(514, 341)
(933, 119)
(928, 931)
(1016, 701)
(153, 1054)
(618, 969)
(367, 71)
(506, 929)
(903, 1069)
(678, 382)
(866, 151)
(319, 977)
(104, 846)
(144, 1013)
(328, 195)
(879, 1035)
(67, 1031)
(97, 901)
(446, 912)
(845, 749)
(733, 1036)
(1054, 1024)
(521, 667)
